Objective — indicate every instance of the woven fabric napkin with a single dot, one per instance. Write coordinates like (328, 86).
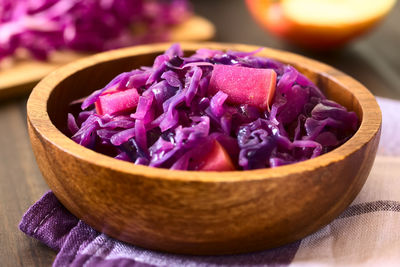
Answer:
(366, 233)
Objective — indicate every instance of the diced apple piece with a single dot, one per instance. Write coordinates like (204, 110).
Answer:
(244, 85)
(217, 160)
(117, 101)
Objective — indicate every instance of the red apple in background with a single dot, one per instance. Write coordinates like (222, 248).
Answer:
(319, 24)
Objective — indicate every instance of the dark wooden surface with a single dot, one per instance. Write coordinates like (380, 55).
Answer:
(374, 61)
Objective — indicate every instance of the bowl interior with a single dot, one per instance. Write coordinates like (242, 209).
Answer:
(83, 82)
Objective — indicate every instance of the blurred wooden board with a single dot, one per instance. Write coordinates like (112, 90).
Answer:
(21, 76)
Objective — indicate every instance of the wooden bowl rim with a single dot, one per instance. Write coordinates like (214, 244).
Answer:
(40, 120)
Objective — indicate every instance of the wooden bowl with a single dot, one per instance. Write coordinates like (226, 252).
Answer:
(197, 212)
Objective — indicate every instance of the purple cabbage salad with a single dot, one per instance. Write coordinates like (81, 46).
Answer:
(169, 118)
(42, 26)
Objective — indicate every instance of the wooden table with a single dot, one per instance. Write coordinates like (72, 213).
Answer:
(374, 60)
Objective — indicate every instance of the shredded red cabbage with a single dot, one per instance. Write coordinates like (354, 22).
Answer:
(176, 119)
(41, 26)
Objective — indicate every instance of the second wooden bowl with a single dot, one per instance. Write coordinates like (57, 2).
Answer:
(197, 212)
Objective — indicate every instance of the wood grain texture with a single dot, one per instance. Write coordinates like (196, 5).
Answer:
(21, 76)
(198, 212)
(20, 185)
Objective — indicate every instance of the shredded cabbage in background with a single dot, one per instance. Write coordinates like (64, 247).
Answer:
(42, 26)
(176, 119)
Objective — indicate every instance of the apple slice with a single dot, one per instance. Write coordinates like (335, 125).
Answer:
(216, 160)
(114, 101)
(244, 85)
(319, 24)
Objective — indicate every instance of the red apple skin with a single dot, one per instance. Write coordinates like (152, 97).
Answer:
(244, 85)
(270, 16)
(217, 160)
(113, 101)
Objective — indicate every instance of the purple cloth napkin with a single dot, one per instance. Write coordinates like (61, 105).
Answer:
(79, 245)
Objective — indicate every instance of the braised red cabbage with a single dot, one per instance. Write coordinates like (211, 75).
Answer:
(41, 26)
(176, 119)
